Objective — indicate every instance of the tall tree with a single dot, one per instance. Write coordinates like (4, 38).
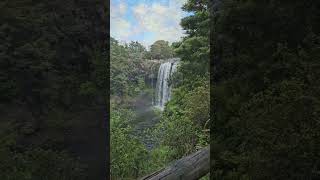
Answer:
(161, 50)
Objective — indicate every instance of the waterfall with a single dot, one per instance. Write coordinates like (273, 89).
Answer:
(163, 89)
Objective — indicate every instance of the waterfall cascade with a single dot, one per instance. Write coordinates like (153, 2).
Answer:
(163, 89)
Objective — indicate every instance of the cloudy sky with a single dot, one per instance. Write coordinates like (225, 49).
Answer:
(146, 20)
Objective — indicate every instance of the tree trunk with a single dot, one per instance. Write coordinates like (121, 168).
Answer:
(191, 167)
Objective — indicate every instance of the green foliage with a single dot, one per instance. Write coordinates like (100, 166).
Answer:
(158, 158)
(184, 120)
(198, 112)
(127, 153)
(52, 62)
(87, 88)
(136, 50)
(126, 73)
(39, 164)
(267, 103)
(40, 47)
(161, 50)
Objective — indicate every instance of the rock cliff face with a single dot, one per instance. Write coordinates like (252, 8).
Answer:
(150, 69)
(157, 74)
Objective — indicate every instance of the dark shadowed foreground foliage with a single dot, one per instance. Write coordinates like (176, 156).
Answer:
(53, 87)
(266, 90)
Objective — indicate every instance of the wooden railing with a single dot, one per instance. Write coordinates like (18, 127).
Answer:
(191, 167)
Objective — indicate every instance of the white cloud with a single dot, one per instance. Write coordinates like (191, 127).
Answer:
(156, 18)
(122, 7)
(120, 29)
(119, 26)
(160, 19)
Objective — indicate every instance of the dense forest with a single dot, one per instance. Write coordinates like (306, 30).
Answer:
(265, 90)
(53, 58)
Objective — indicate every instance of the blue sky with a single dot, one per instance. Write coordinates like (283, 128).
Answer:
(146, 20)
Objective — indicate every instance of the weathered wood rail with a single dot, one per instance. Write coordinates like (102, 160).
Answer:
(191, 167)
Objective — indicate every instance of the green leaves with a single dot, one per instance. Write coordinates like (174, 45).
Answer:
(128, 154)
(88, 89)
(39, 164)
(51, 61)
(194, 49)
(264, 98)
(161, 50)
(126, 72)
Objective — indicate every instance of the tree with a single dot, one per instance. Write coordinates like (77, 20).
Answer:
(185, 119)
(265, 91)
(126, 67)
(161, 50)
(53, 70)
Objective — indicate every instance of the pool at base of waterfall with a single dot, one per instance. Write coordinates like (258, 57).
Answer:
(163, 88)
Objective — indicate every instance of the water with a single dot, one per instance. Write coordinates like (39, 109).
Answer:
(144, 104)
(163, 88)
(146, 118)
